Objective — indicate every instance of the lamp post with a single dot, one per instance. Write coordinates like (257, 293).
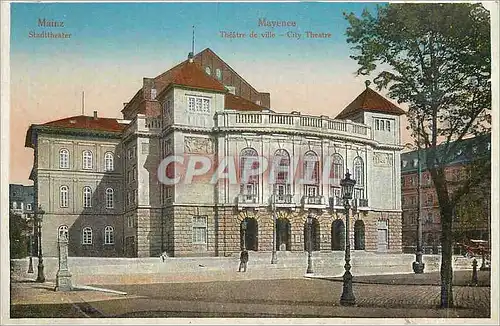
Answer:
(418, 265)
(244, 228)
(309, 243)
(274, 258)
(347, 298)
(38, 217)
(32, 224)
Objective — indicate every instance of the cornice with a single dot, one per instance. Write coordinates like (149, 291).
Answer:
(78, 131)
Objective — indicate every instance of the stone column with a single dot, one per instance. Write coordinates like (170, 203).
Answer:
(63, 277)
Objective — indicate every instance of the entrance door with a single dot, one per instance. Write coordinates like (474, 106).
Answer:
(338, 235)
(249, 237)
(382, 236)
(283, 234)
(130, 247)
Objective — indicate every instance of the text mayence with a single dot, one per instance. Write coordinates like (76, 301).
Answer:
(276, 23)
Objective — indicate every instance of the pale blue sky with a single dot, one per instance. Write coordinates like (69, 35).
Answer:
(145, 29)
(114, 45)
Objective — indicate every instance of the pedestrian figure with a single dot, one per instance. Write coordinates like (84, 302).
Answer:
(243, 261)
(163, 256)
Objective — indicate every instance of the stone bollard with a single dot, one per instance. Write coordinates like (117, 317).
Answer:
(474, 272)
(63, 277)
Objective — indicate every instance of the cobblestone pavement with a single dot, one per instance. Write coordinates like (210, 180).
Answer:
(301, 293)
(249, 298)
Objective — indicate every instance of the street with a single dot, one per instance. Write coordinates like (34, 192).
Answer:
(274, 298)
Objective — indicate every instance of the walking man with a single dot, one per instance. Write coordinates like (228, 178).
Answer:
(243, 260)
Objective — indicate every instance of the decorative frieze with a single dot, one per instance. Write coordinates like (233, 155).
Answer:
(382, 159)
(197, 145)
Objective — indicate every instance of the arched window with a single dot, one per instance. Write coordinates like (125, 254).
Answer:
(207, 70)
(109, 237)
(282, 176)
(108, 162)
(87, 160)
(109, 198)
(63, 196)
(358, 171)
(87, 197)
(311, 168)
(218, 73)
(249, 161)
(64, 159)
(282, 166)
(337, 172)
(62, 232)
(87, 235)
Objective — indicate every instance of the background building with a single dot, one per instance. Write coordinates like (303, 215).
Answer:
(472, 214)
(97, 178)
(21, 199)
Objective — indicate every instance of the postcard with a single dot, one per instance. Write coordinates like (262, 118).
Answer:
(249, 162)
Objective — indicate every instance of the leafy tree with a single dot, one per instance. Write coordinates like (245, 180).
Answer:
(435, 58)
(18, 228)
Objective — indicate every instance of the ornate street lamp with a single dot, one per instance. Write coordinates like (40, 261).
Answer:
(310, 220)
(32, 225)
(244, 228)
(347, 298)
(38, 217)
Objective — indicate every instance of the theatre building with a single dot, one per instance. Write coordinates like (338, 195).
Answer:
(98, 179)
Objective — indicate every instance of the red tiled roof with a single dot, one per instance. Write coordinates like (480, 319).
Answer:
(234, 102)
(369, 100)
(192, 75)
(85, 122)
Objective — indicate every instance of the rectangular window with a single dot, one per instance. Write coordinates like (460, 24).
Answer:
(198, 104)
(64, 196)
(200, 229)
(87, 236)
(145, 148)
(87, 160)
(377, 124)
(130, 221)
(191, 104)
(134, 171)
(206, 105)
(430, 200)
(135, 196)
(388, 125)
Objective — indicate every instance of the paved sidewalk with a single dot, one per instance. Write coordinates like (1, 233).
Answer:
(247, 298)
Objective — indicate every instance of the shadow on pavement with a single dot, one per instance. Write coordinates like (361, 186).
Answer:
(460, 278)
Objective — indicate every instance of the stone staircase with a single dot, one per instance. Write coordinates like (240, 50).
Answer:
(289, 264)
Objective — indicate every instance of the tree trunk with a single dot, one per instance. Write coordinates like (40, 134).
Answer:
(446, 259)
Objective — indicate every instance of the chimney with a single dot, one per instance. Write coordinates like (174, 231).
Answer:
(190, 56)
(95, 115)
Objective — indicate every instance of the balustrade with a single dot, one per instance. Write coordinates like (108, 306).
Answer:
(293, 122)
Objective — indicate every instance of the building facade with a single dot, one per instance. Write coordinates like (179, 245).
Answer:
(21, 199)
(201, 166)
(465, 227)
